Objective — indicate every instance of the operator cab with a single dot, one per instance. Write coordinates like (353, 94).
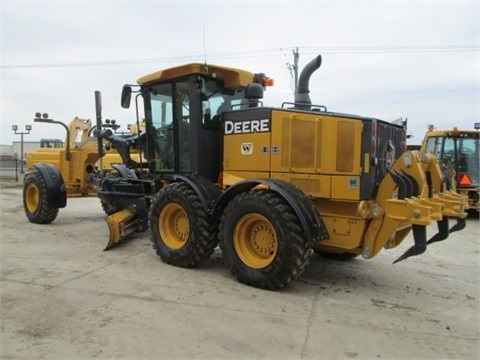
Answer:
(183, 108)
(184, 124)
(458, 153)
(51, 143)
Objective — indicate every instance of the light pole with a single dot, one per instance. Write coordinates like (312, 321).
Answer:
(21, 133)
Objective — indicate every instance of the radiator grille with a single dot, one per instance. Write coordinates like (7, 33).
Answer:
(391, 143)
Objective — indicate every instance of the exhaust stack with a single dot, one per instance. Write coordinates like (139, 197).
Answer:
(302, 99)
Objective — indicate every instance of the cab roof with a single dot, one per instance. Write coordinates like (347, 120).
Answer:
(231, 77)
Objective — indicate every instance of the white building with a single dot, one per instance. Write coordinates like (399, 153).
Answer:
(15, 149)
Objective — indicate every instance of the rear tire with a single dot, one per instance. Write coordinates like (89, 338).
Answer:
(182, 232)
(35, 202)
(262, 241)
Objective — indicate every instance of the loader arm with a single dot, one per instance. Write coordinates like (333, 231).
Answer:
(78, 126)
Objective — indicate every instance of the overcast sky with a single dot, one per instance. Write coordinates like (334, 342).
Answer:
(385, 59)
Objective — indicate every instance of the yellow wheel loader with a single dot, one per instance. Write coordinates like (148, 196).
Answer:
(269, 185)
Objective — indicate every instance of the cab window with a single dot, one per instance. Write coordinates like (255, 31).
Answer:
(215, 100)
(169, 104)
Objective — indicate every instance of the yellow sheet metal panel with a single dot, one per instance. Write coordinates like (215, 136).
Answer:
(345, 187)
(344, 233)
(315, 143)
(247, 152)
(232, 177)
(302, 144)
(299, 143)
(41, 156)
(346, 146)
(335, 208)
(311, 185)
(231, 77)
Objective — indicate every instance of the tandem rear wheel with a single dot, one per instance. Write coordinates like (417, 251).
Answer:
(262, 241)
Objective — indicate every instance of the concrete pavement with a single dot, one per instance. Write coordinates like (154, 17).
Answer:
(62, 297)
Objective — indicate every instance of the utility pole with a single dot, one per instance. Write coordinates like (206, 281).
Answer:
(296, 56)
(293, 68)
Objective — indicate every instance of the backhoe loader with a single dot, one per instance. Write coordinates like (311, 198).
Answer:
(458, 152)
(71, 170)
(269, 185)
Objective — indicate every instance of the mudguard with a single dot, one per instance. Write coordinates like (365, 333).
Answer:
(56, 190)
(207, 192)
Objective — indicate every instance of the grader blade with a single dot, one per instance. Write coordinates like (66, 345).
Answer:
(120, 225)
(420, 242)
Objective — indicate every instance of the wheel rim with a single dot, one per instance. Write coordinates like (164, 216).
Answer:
(174, 226)
(255, 241)
(32, 198)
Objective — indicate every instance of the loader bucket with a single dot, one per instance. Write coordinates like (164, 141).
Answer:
(120, 225)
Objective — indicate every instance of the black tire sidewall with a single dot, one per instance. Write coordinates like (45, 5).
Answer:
(44, 213)
(257, 277)
(196, 248)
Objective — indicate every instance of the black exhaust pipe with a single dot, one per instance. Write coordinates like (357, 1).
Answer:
(302, 99)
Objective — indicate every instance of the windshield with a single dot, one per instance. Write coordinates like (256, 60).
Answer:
(457, 153)
(468, 160)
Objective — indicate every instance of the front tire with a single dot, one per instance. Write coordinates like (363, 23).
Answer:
(35, 202)
(182, 232)
(262, 241)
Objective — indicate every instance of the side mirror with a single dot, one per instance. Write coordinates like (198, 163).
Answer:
(126, 96)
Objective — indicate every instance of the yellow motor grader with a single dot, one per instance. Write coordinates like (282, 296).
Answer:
(268, 184)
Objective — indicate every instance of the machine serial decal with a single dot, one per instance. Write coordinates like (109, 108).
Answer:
(247, 126)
